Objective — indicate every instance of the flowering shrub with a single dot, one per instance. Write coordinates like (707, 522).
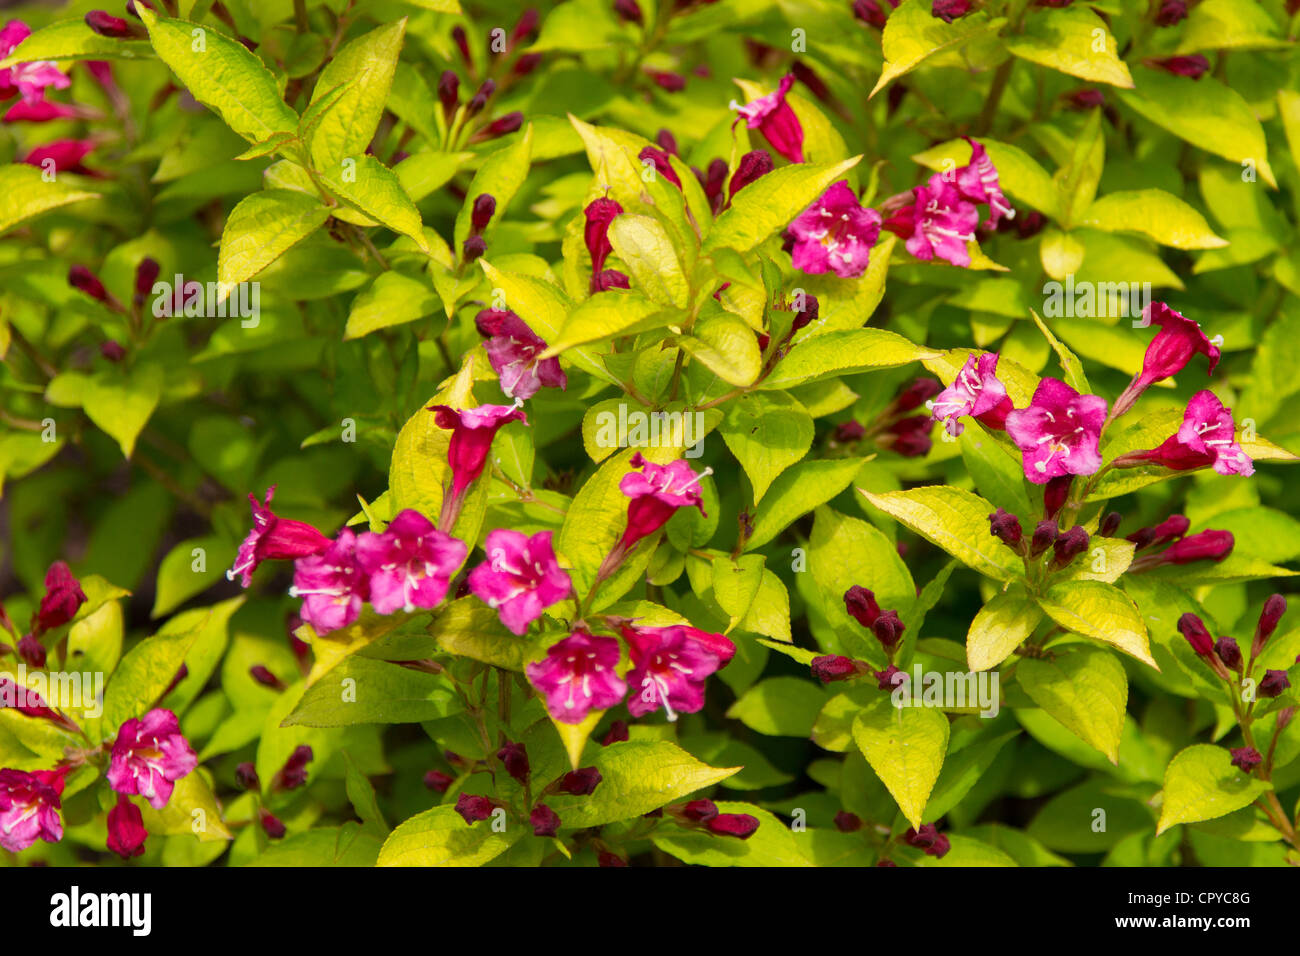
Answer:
(734, 433)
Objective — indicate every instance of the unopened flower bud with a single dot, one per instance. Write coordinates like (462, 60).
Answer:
(1005, 526)
(515, 759)
(31, 651)
(484, 207)
(861, 605)
(480, 98)
(629, 10)
(888, 629)
(1068, 546)
(545, 821)
(1246, 759)
(1110, 524)
(847, 822)
(262, 674)
(449, 92)
(112, 350)
(617, 733)
(82, 279)
(888, 679)
(438, 781)
(1055, 492)
(1274, 608)
(473, 248)
(246, 777)
(271, 824)
(473, 807)
(1194, 629)
(581, 782)
(1229, 652)
(107, 25)
(1273, 683)
(501, 126)
(1045, 533)
(753, 165)
(808, 314)
(835, 667)
(1205, 546)
(849, 431)
(739, 825)
(698, 811)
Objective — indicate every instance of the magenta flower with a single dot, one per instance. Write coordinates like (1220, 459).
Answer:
(149, 756)
(599, 214)
(949, 10)
(409, 564)
(1177, 341)
(273, 539)
(27, 79)
(332, 584)
(29, 808)
(472, 431)
(512, 348)
(978, 182)
(976, 392)
(657, 492)
(66, 154)
(670, 666)
(63, 596)
(42, 111)
(577, 676)
(772, 116)
(1206, 437)
(126, 832)
(520, 578)
(939, 222)
(835, 234)
(1059, 432)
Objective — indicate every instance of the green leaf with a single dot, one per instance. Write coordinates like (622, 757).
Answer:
(647, 250)
(603, 316)
(440, 837)
(223, 75)
(758, 213)
(905, 746)
(1075, 41)
(780, 707)
(392, 299)
(798, 490)
(913, 34)
(73, 40)
(24, 194)
(375, 190)
(121, 402)
(362, 690)
(961, 772)
(843, 352)
(639, 776)
(736, 584)
(997, 473)
(1202, 784)
(179, 580)
(1085, 689)
(148, 668)
(263, 227)
(999, 628)
(1155, 213)
(1100, 611)
(955, 520)
(767, 432)
(500, 176)
(364, 69)
(726, 346)
(178, 817)
(1070, 364)
(469, 628)
(844, 551)
(1229, 25)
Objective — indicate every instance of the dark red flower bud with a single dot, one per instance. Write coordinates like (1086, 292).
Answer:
(1005, 526)
(485, 205)
(888, 629)
(659, 159)
(668, 143)
(112, 350)
(473, 808)
(1192, 66)
(753, 165)
(950, 10)
(1028, 225)
(1229, 652)
(1055, 493)
(63, 596)
(811, 309)
(262, 674)
(910, 437)
(1053, 3)
(545, 821)
(502, 126)
(833, 667)
(861, 605)
(871, 12)
(886, 862)
(847, 822)
(271, 824)
(1274, 683)
(1110, 524)
(916, 393)
(472, 248)
(1088, 98)
(1069, 546)
(146, 274)
(526, 64)
(667, 81)
(514, 757)
(480, 98)
(581, 782)
(605, 858)
(617, 733)
(461, 39)
(438, 781)
(31, 651)
(699, 811)
(1171, 529)
(1274, 608)
(849, 431)
(941, 847)
(739, 825)
(1171, 12)
(526, 25)
(294, 772)
(1205, 546)
(246, 776)
(629, 10)
(132, 4)
(1246, 759)
(599, 214)
(81, 278)
(449, 92)
(107, 25)
(1044, 537)
(888, 678)
(1197, 634)
(923, 838)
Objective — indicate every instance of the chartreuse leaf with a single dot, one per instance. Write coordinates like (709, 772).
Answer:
(798, 490)
(263, 227)
(364, 69)
(780, 707)
(500, 176)
(603, 316)
(845, 551)
(362, 690)
(371, 187)
(189, 569)
(1229, 25)
(726, 346)
(148, 668)
(24, 194)
(961, 772)
(1084, 688)
(756, 214)
(647, 250)
(439, 837)
(330, 650)
(1206, 114)
(913, 34)
(470, 628)
(392, 299)
(73, 40)
(1100, 611)
(843, 352)
(1155, 213)
(905, 746)
(120, 403)
(1075, 41)
(1201, 784)
(1020, 175)
(767, 432)
(1000, 627)
(192, 808)
(736, 584)
(220, 73)
(639, 776)
(955, 520)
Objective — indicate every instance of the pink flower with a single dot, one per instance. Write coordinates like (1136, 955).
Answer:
(978, 182)
(1059, 432)
(975, 391)
(835, 234)
(1206, 437)
(577, 676)
(1177, 341)
(772, 116)
(520, 578)
(670, 666)
(410, 564)
(149, 756)
(472, 432)
(126, 832)
(512, 348)
(599, 214)
(29, 79)
(939, 222)
(273, 539)
(63, 596)
(65, 155)
(657, 492)
(41, 111)
(29, 808)
(333, 585)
